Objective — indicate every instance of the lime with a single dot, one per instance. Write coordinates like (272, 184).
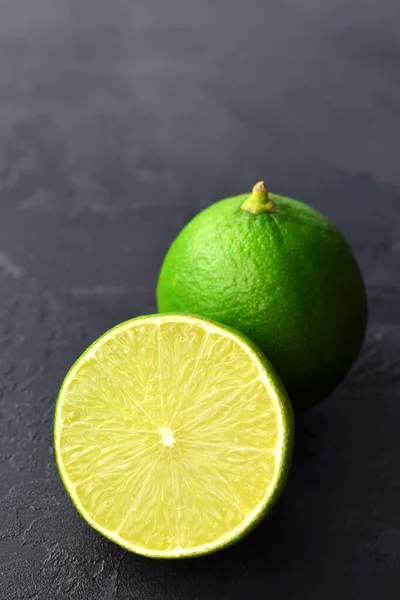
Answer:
(280, 272)
(173, 435)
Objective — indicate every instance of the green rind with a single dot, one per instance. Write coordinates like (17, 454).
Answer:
(288, 280)
(287, 448)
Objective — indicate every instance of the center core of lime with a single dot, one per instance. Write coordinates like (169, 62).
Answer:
(167, 436)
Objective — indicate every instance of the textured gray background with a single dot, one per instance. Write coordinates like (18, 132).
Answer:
(118, 121)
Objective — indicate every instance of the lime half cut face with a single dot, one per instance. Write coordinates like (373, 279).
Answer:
(173, 435)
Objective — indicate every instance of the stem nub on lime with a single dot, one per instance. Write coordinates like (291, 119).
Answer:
(280, 272)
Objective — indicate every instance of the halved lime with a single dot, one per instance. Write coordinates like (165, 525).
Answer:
(173, 435)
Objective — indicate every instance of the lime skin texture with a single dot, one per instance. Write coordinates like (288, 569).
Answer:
(280, 272)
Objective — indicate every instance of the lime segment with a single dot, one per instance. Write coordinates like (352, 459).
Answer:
(173, 435)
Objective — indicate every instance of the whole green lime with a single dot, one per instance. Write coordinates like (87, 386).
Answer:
(280, 272)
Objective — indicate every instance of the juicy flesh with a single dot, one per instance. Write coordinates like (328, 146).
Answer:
(168, 436)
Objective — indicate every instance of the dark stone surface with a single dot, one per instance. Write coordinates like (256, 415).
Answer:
(118, 121)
